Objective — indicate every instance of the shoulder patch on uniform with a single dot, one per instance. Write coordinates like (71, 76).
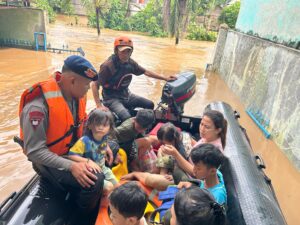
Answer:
(36, 118)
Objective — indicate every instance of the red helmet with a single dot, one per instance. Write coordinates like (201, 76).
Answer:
(123, 41)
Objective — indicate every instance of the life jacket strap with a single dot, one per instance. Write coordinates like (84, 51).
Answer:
(72, 129)
(68, 133)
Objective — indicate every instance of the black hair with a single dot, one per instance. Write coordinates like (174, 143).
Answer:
(129, 199)
(208, 154)
(197, 206)
(220, 122)
(170, 133)
(98, 117)
(145, 117)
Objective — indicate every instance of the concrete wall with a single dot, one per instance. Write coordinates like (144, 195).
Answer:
(265, 76)
(21, 23)
(276, 20)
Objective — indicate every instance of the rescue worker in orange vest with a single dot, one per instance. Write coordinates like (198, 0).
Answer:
(115, 76)
(51, 120)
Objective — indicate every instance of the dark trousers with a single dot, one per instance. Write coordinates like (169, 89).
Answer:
(122, 107)
(86, 199)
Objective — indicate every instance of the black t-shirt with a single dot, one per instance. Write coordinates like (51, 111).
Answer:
(111, 71)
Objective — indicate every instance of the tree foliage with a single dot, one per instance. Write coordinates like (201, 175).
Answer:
(148, 20)
(229, 14)
(52, 6)
(96, 9)
(178, 14)
(62, 6)
(115, 17)
(45, 5)
(185, 11)
(196, 32)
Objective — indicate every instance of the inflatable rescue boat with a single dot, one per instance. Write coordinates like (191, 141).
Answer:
(251, 199)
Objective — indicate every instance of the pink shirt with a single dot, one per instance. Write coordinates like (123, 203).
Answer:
(217, 143)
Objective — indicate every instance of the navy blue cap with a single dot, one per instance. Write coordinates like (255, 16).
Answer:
(81, 66)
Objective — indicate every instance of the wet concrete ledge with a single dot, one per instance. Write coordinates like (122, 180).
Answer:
(266, 76)
(19, 24)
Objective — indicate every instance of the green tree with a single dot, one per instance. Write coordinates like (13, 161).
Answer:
(115, 16)
(67, 7)
(229, 14)
(50, 6)
(62, 6)
(148, 20)
(183, 10)
(196, 32)
(166, 15)
(44, 5)
(179, 13)
(99, 6)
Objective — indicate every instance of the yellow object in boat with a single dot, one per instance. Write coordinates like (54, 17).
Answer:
(121, 169)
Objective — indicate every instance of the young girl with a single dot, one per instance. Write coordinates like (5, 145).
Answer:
(212, 129)
(168, 134)
(92, 148)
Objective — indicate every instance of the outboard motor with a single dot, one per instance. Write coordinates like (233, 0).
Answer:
(175, 94)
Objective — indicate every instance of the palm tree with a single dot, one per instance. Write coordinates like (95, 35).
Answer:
(166, 15)
(127, 3)
(178, 15)
(181, 11)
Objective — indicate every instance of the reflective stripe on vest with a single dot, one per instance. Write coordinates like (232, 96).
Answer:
(52, 94)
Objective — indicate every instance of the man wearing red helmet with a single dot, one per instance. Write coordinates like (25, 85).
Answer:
(115, 76)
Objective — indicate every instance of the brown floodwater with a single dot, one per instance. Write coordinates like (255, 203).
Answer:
(21, 68)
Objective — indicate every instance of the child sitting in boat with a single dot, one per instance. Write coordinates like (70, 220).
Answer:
(168, 134)
(196, 206)
(127, 204)
(207, 160)
(212, 129)
(92, 148)
(127, 135)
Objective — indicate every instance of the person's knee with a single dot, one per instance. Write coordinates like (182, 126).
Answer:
(108, 187)
(119, 109)
(88, 198)
(149, 105)
(123, 114)
(99, 182)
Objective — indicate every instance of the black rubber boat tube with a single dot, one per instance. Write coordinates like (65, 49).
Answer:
(250, 198)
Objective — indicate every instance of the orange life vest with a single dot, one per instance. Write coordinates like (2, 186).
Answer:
(61, 124)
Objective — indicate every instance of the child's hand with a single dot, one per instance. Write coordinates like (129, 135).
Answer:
(184, 184)
(118, 159)
(92, 166)
(169, 150)
(169, 177)
(160, 151)
(109, 155)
